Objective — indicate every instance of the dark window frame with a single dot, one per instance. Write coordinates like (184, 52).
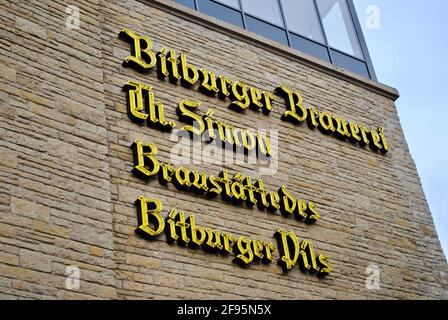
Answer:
(332, 52)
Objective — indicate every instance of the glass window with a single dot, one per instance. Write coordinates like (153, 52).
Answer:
(232, 3)
(267, 10)
(350, 63)
(221, 12)
(339, 26)
(266, 30)
(301, 17)
(326, 29)
(309, 47)
(187, 3)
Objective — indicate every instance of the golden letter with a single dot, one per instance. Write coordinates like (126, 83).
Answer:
(171, 232)
(326, 126)
(196, 124)
(173, 69)
(267, 101)
(255, 97)
(386, 146)
(213, 243)
(243, 251)
(312, 121)
(313, 214)
(182, 178)
(239, 96)
(293, 101)
(166, 173)
(325, 267)
(181, 223)
(301, 210)
(162, 69)
(228, 241)
(138, 96)
(205, 87)
(264, 144)
(267, 251)
(261, 195)
(375, 142)
(288, 245)
(145, 165)
(354, 130)
(247, 135)
(142, 57)
(364, 132)
(194, 231)
(257, 248)
(223, 86)
(341, 130)
(287, 202)
(238, 193)
(304, 264)
(148, 213)
(188, 72)
(274, 201)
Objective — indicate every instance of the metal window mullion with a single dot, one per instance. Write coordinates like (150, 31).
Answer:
(284, 23)
(361, 39)
(323, 31)
(242, 14)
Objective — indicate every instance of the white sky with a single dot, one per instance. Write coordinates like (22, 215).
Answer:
(410, 52)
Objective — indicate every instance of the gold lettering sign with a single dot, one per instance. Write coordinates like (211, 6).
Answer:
(144, 108)
(186, 232)
(328, 124)
(236, 189)
(242, 96)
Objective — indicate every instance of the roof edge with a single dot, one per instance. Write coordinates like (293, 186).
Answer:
(197, 17)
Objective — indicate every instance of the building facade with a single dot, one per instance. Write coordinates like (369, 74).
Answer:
(156, 149)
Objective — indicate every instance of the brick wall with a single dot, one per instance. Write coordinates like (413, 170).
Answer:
(67, 191)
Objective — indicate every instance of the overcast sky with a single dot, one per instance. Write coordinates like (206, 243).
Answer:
(410, 52)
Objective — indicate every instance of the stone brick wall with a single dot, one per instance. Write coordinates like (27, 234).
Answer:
(67, 191)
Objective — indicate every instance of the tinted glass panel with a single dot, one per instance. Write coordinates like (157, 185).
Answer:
(266, 30)
(350, 63)
(275, 19)
(232, 3)
(187, 3)
(309, 47)
(268, 10)
(221, 12)
(301, 17)
(339, 26)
